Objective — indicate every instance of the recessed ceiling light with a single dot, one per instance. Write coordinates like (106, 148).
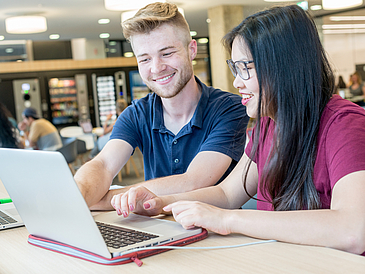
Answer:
(104, 35)
(9, 50)
(316, 7)
(104, 21)
(193, 33)
(203, 40)
(2, 37)
(128, 54)
(54, 36)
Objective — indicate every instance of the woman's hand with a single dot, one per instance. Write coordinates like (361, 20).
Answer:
(138, 200)
(192, 214)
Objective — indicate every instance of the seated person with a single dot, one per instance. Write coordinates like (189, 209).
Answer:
(108, 127)
(40, 133)
(186, 131)
(306, 157)
(357, 89)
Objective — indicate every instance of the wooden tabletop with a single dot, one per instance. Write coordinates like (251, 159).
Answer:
(17, 256)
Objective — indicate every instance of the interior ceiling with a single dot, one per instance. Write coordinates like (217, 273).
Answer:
(79, 18)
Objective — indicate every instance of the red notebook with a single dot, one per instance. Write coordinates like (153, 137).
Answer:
(123, 259)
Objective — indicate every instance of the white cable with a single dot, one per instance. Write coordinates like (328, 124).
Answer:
(202, 247)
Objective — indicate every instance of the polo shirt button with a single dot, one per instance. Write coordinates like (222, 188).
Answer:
(175, 142)
(176, 161)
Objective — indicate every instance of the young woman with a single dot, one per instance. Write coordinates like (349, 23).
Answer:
(306, 157)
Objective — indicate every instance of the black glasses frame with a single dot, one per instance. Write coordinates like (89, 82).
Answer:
(235, 70)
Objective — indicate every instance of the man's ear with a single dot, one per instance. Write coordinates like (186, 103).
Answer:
(193, 49)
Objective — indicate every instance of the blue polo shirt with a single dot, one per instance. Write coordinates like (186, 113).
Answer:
(218, 124)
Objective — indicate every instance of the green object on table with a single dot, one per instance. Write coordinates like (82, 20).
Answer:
(4, 201)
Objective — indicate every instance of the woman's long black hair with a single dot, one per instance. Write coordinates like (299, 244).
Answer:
(7, 133)
(296, 82)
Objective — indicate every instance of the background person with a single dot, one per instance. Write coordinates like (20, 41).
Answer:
(357, 88)
(40, 133)
(186, 131)
(306, 157)
(107, 128)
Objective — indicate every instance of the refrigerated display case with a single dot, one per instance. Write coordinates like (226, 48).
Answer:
(107, 90)
(63, 98)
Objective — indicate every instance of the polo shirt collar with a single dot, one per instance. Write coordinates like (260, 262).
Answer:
(197, 120)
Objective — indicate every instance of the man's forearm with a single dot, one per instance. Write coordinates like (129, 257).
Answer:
(93, 181)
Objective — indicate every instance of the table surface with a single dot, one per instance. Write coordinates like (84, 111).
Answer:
(17, 256)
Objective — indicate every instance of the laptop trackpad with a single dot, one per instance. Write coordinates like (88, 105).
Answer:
(133, 221)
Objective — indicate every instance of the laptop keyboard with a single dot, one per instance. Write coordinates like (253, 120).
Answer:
(117, 237)
(6, 219)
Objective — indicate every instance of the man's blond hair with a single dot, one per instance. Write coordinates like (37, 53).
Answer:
(152, 16)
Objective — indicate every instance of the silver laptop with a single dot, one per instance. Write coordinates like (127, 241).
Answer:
(9, 216)
(48, 200)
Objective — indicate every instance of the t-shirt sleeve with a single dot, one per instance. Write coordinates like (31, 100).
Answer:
(345, 146)
(125, 128)
(228, 133)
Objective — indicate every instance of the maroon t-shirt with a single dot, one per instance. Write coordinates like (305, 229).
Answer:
(341, 147)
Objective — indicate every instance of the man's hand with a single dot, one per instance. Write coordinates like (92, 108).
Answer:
(138, 200)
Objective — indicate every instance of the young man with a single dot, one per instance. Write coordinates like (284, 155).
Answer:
(190, 135)
(42, 134)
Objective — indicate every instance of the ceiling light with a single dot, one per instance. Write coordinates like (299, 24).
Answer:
(122, 5)
(25, 24)
(347, 18)
(128, 54)
(103, 21)
(340, 4)
(129, 14)
(2, 37)
(316, 7)
(343, 31)
(344, 26)
(203, 40)
(54, 36)
(193, 33)
(104, 35)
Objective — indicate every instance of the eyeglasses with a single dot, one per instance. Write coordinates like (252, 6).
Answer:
(240, 68)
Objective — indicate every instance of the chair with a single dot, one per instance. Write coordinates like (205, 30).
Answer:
(131, 161)
(69, 151)
(128, 168)
(81, 151)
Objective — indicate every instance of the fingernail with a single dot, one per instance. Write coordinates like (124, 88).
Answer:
(146, 206)
(119, 211)
(131, 207)
(125, 214)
